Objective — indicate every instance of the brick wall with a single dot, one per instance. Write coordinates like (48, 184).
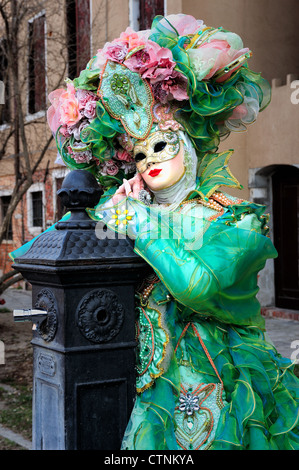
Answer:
(43, 180)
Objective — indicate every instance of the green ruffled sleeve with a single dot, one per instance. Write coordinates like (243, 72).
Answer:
(219, 278)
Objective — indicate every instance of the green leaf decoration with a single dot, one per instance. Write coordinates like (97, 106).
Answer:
(214, 172)
(88, 80)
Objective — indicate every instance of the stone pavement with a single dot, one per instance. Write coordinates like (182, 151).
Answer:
(14, 437)
(16, 299)
(284, 334)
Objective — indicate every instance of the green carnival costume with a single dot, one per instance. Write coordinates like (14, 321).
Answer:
(206, 376)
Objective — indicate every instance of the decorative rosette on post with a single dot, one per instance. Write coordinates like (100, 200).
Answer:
(180, 74)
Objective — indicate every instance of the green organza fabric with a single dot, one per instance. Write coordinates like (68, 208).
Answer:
(210, 102)
(210, 338)
(208, 377)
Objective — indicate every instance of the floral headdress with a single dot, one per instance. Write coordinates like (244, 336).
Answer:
(180, 74)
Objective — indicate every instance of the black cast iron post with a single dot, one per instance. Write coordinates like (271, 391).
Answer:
(84, 343)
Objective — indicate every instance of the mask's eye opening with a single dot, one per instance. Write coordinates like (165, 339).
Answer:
(139, 156)
(159, 146)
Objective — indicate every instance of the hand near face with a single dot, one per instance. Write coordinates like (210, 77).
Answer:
(130, 187)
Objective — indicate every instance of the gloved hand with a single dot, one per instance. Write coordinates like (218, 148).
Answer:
(130, 187)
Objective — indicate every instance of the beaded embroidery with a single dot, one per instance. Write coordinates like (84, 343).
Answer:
(146, 343)
(152, 340)
(128, 98)
(197, 415)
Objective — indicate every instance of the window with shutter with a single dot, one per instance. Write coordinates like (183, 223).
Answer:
(37, 208)
(37, 65)
(4, 92)
(5, 201)
(148, 10)
(78, 35)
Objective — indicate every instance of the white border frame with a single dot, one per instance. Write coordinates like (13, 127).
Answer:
(34, 188)
(134, 13)
(7, 192)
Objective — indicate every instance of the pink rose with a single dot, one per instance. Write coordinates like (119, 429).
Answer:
(84, 96)
(83, 156)
(132, 38)
(152, 62)
(212, 56)
(76, 130)
(65, 131)
(124, 156)
(69, 107)
(110, 168)
(90, 110)
(115, 51)
(174, 87)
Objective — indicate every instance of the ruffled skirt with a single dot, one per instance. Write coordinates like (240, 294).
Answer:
(224, 388)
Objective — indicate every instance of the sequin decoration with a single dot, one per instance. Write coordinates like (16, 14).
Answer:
(152, 342)
(197, 415)
(145, 343)
(128, 98)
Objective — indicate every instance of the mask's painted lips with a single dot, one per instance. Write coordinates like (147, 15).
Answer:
(154, 172)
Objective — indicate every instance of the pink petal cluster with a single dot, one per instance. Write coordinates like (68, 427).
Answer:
(71, 110)
(213, 56)
(110, 168)
(90, 110)
(80, 157)
(121, 160)
(151, 61)
(76, 130)
(225, 55)
(116, 51)
(84, 97)
(124, 156)
(69, 107)
(64, 110)
(132, 39)
(173, 88)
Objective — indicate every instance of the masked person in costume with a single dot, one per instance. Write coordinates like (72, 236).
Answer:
(146, 117)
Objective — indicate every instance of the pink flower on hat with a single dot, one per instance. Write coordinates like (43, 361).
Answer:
(212, 56)
(124, 156)
(116, 51)
(131, 38)
(84, 96)
(69, 107)
(110, 168)
(152, 62)
(90, 110)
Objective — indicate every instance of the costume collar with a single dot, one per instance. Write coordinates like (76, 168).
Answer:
(214, 172)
